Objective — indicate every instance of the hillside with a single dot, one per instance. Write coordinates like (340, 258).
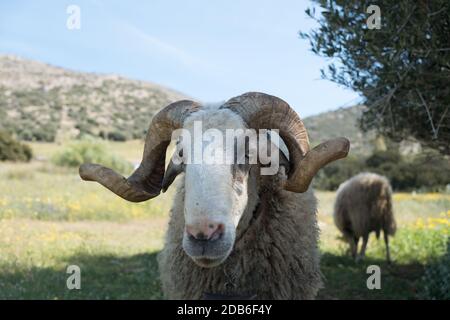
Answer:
(340, 123)
(47, 103)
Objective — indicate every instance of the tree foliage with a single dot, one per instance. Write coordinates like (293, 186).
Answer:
(402, 69)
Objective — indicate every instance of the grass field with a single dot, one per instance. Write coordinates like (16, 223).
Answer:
(50, 219)
(422, 238)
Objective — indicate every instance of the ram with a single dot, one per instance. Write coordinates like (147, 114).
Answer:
(363, 205)
(232, 230)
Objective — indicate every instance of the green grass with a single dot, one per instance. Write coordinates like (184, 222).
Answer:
(424, 228)
(117, 260)
(29, 191)
(50, 219)
(411, 249)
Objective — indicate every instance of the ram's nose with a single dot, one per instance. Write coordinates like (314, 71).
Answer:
(205, 230)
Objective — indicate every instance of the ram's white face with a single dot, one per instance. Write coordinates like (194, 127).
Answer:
(215, 194)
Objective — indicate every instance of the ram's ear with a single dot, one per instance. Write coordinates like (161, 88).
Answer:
(278, 146)
(172, 171)
(284, 162)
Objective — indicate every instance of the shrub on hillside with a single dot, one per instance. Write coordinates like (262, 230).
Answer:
(116, 136)
(79, 152)
(432, 173)
(392, 165)
(13, 150)
(428, 172)
(331, 176)
(424, 172)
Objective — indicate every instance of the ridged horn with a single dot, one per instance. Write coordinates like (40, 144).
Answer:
(263, 111)
(146, 181)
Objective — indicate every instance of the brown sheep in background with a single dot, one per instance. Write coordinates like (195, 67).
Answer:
(364, 204)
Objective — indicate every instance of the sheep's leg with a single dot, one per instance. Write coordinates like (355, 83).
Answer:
(350, 239)
(386, 241)
(355, 241)
(362, 253)
(353, 244)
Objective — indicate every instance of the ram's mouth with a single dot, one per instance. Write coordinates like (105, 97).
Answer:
(209, 262)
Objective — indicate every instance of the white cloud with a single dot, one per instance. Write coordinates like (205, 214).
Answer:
(140, 40)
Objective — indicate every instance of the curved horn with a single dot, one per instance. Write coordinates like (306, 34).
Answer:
(318, 157)
(146, 181)
(263, 111)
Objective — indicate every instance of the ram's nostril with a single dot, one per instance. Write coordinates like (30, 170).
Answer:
(201, 236)
(205, 231)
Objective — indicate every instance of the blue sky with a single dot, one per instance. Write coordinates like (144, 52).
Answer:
(209, 50)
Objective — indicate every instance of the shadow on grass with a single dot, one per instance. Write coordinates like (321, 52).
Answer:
(137, 277)
(102, 277)
(347, 279)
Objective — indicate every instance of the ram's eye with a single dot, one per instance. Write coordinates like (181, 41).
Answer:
(243, 167)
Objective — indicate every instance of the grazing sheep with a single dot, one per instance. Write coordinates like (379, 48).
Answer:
(364, 204)
(232, 230)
